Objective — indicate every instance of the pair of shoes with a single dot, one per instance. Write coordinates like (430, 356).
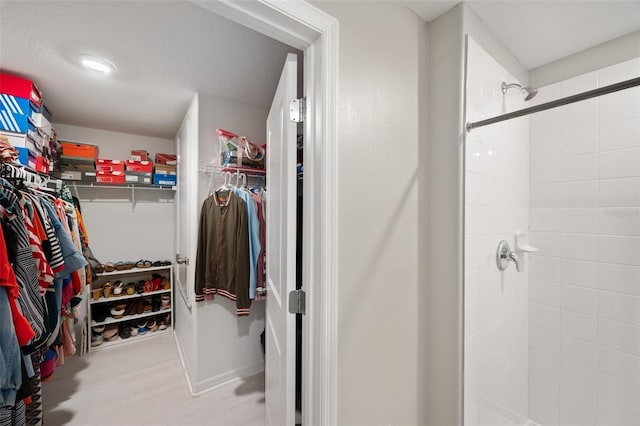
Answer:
(107, 289)
(152, 325)
(109, 267)
(130, 309)
(111, 333)
(162, 263)
(119, 266)
(129, 265)
(165, 301)
(143, 263)
(98, 269)
(96, 293)
(130, 289)
(125, 332)
(166, 284)
(118, 286)
(117, 311)
(96, 335)
(142, 327)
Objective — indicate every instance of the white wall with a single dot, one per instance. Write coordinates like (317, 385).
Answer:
(377, 212)
(585, 281)
(496, 206)
(443, 294)
(609, 53)
(116, 232)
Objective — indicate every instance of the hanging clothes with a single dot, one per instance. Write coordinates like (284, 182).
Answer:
(253, 230)
(222, 257)
(41, 270)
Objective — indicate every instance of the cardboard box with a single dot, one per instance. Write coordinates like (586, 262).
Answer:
(47, 114)
(42, 164)
(74, 149)
(16, 113)
(138, 178)
(164, 180)
(110, 177)
(43, 124)
(139, 166)
(20, 87)
(161, 169)
(77, 175)
(139, 155)
(21, 140)
(166, 159)
(109, 165)
(80, 167)
(36, 136)
(26, 158)
(78, 161)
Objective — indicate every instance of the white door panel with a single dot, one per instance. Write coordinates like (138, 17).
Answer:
(281, 252)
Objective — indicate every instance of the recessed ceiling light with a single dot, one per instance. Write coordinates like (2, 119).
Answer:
(97, 64)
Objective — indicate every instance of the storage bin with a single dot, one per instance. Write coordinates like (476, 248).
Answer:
(16, 114)
(109, 165)
(21, 140)
(74, 149)
(166, 159)
(20, 87)
(165, 180)
(26, 158)
(110, 177)
(139, 166)
(161, 169)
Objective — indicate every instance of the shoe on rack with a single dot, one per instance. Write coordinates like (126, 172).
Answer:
(118, 287)
(111, 333)
(107, 289)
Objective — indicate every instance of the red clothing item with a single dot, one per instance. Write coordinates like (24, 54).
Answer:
(24, 332)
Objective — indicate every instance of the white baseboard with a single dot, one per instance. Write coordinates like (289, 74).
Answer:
(213, 383)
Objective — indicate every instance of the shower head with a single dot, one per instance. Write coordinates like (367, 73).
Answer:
(528, 92)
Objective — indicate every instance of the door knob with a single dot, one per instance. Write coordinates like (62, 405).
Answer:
(182, 260)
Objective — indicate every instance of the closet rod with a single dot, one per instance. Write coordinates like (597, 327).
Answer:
(627, 84)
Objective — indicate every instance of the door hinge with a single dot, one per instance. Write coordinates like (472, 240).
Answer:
(297, 302)
(297, 110)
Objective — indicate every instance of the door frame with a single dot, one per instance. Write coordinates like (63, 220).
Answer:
(307, 28)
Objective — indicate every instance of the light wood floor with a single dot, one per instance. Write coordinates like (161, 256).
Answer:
(143, 384)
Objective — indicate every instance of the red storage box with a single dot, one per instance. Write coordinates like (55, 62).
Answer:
(139, 155)
(109, 165)
(110, 177)
(73, 149)
(42, 164)
(166, 159)
(20, 87)
(139, 166)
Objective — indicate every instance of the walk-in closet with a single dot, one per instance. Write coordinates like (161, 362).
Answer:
(159, 334)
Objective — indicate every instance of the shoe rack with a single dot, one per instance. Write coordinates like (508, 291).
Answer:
(103, 312)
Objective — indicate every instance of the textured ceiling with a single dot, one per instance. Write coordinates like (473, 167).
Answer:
(538, 32)
(165, 52)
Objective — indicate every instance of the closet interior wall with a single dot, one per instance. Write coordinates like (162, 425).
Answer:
(216, 345)
(116, 230)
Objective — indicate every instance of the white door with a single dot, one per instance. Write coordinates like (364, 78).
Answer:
(281, 252)
(187, 203)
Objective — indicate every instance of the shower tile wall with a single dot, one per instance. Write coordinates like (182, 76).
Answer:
(584, 295)
(496, 206)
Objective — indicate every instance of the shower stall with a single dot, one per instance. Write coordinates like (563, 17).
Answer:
(551, 248)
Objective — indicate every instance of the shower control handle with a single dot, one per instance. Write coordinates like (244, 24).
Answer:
(504, 255)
